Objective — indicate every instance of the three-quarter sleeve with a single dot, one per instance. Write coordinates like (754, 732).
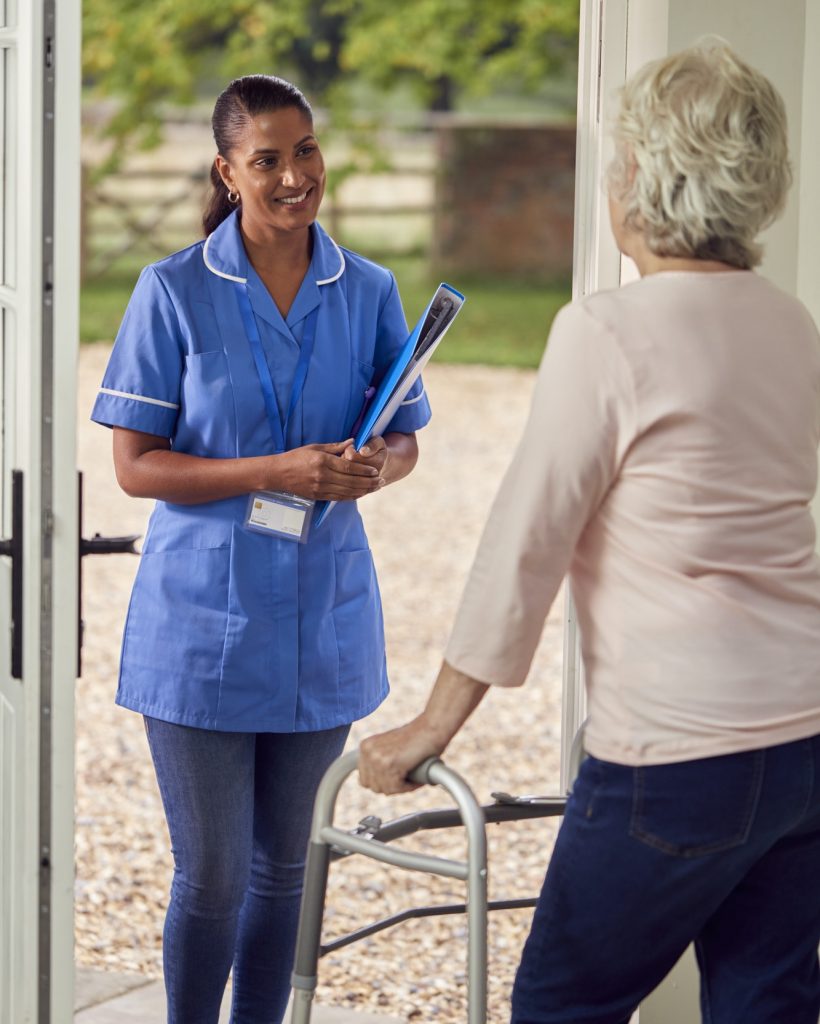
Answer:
(141, 386)
(414, 411)
(579, 427)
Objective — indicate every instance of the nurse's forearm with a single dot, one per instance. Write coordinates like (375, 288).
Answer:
(403, 454)
(189, 479)
(146, 467)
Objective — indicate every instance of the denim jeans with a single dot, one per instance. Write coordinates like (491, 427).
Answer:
(238, 807)
(723, 852)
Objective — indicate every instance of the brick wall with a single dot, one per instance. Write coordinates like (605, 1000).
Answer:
(504, 199)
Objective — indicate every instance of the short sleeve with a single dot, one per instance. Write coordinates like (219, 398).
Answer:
(414, 412)
(141, 386)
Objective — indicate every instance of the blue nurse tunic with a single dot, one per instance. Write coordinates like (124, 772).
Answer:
(227, 628)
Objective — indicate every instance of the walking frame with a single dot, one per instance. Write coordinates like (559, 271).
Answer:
(371, 838)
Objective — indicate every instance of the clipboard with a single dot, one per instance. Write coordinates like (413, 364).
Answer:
(403, 373)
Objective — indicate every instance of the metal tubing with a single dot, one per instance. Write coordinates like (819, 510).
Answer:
(311, 913)
(398, 858)
(427, 821)
(432, 772)
(442, 910)
(309, 934)
(325, 802)
(437, 773)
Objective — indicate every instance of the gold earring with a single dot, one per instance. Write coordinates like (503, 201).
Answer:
(233, 197)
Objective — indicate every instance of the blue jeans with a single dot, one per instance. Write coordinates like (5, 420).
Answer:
(238, 807)
(723, 852)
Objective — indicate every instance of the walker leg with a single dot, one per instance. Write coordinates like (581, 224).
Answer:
(309, 936)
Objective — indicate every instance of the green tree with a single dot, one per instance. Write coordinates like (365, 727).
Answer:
(467, 46)
(148, 53)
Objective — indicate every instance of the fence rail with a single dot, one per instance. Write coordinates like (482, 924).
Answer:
(152, 212)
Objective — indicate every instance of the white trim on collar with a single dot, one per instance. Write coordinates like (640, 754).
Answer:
(212, 268)
(341, 270)
(244, 280)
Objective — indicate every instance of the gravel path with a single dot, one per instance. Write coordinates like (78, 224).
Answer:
(423, 533)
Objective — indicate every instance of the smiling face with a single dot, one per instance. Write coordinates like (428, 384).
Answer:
(278, 171)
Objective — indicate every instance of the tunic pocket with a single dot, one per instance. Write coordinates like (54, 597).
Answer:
(208, 407)
(175, 633)
(357, 617)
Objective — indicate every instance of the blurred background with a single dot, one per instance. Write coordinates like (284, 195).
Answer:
(448, 128)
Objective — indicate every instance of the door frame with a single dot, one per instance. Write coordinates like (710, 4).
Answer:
(39, 295)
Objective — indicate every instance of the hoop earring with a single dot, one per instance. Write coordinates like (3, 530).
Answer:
(233, 197)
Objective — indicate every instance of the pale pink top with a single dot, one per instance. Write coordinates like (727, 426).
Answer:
(668, 464)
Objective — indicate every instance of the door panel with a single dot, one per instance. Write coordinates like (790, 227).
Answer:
(39, 115)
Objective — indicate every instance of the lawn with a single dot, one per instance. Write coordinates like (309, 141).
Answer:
(504, 323)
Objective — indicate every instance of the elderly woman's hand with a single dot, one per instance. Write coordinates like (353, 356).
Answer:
(386, 760)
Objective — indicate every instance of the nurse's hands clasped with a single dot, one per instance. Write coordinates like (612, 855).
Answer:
(320, 472)
(375, 453)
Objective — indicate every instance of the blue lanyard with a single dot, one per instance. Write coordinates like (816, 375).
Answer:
(278, 423)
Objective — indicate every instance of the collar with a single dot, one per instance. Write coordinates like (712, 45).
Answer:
(224, 254)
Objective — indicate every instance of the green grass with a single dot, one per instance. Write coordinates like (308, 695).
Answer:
(503, 323)
(102, 303)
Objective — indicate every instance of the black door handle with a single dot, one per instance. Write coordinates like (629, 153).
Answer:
(99, 545)
(13, 548)
(96, 545)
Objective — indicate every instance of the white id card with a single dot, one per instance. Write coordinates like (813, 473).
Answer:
(279, 514)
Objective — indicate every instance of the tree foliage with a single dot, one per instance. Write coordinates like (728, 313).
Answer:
(148, 53)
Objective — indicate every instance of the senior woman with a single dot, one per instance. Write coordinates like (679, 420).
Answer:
(668, 465)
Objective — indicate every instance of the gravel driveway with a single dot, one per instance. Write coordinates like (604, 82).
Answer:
(423, 533)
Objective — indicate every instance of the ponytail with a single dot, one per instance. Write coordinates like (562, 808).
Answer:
(217, 207)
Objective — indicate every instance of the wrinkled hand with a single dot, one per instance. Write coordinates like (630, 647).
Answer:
(385, 760)
(375, 453)
(318, 471)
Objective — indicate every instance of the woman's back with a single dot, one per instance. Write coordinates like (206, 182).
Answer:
(697, 580)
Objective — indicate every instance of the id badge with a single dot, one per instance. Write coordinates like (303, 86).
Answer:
(279, 514)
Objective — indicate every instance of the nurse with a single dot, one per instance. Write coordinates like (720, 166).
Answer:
(238, 372)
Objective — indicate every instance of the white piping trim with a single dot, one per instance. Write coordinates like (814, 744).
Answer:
(336, 276)
(213, 270)
(412, 401)
(138, 398)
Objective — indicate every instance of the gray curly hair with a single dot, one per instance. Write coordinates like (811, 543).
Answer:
(701, 162)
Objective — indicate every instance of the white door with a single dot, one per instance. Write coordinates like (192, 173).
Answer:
(39, 156)
(617, 37)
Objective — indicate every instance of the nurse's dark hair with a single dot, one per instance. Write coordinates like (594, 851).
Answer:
(244, 99)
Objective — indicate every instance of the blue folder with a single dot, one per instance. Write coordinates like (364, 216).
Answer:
(422, 341)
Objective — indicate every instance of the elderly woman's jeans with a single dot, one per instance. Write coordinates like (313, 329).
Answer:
(238, 807)
(722, 852)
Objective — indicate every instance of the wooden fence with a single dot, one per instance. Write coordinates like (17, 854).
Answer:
(139, 215)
